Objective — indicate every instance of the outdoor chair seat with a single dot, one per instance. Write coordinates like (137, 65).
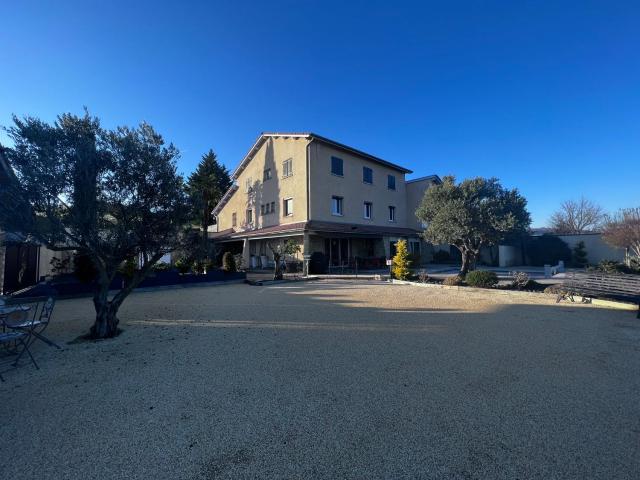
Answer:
(11, 336)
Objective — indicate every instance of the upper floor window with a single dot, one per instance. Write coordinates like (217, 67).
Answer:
(392, 213)
(367, 175)
(249, 184)
(336, 206)
(368, 208)
(287, 167)
(262, 212)
(287, 207)
(267, 175)
(234, 219)
(336, 166)
(249, 217)
(391, 182)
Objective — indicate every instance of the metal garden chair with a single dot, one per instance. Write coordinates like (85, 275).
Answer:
(38, 323)
(18, 337)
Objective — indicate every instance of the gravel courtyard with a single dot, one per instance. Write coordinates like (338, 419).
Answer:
(329, 380)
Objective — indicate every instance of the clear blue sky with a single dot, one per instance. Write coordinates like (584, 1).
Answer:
(543, 95)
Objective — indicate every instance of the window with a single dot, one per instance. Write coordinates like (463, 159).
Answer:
(262, 209)
(234, 219)
(368, 207)
(336, 206)
(267, 175)
(367, 175)
(249, 217)
(392, 213)
(391, 182)
(336, 166)
(287, 167)
(414, 247)
(287, 207)
(249, 184)
(273, 207)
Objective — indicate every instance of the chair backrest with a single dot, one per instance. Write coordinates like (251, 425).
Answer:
(47, 310)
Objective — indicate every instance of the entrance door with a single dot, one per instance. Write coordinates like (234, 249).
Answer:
(20, 267)
(337, 249)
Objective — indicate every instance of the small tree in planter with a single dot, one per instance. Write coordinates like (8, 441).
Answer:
(228, 263)
(401, 261)
(279, 250)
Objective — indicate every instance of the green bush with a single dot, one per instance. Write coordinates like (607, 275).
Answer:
(482, 279)
(161, 267)
(228, 262)
(579, 255)
(454, 281)
(182, 265)
(613, 267)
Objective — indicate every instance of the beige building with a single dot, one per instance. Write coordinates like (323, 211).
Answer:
(329, 197)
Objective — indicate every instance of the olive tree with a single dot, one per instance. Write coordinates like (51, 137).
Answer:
(472, 214)
(113, 196)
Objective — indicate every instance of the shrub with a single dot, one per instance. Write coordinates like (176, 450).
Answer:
(401, 261)
(482, 279)
(520, 280)
(547, 250)
(182, 265)
(613, 267)
(161, 267)
(441, 256)
(423, 276)
(228, 262)
(579, 255)
(239, 261)
(453, 281)
(554, 289)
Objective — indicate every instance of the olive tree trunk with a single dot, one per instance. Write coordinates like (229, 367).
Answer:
(469, 256)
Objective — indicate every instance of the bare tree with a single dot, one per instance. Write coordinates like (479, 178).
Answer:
(623, 230)
(577, 217)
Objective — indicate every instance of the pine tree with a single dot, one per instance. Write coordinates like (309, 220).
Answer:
(580, 255)
(206, 186)
(401, 261)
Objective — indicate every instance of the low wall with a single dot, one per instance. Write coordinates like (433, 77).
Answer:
(68, 285)
(597, 249)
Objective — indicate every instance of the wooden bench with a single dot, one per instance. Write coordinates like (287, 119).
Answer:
(601, 285)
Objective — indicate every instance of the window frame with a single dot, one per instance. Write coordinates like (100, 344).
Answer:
(234, 219)
(368, 205)
(286, 212)
(341, 174)
(392, 213)
(364, 170)
(266, 175)
(287, 168)
(249, 216)
(391, 179)
(339, 202)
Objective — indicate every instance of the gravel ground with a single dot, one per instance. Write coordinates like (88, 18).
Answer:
(330, 380)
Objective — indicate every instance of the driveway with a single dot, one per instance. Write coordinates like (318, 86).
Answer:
(330, 380)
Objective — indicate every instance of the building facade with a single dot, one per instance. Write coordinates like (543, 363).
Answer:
(328, 197)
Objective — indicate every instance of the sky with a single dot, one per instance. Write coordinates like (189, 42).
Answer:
(544, 95)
